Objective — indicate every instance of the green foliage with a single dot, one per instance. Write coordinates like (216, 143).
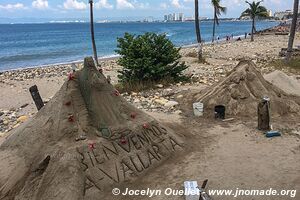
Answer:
(149, 58)
(218, 9)
(255, 10)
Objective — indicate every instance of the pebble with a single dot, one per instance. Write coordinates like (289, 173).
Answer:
(22, 119)
(24, 105)
(170, 104)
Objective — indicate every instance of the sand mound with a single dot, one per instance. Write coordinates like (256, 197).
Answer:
(241, 91)
(287, 83)
(86, 140)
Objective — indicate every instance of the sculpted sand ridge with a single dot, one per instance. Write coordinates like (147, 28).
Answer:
(87, 139)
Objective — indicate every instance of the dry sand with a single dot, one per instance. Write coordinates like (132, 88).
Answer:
(289, 84)
(230, 154)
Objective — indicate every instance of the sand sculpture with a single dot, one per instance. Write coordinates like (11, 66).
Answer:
(86, 140)
(242, 90)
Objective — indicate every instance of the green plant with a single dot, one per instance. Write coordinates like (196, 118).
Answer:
(218, 10)
(149, 58)
(254, 11)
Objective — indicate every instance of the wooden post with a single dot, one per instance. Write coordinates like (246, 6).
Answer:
(36, 97)
(263, 112)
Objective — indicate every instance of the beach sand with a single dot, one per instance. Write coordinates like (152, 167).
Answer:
(230, 154)
(221, 59)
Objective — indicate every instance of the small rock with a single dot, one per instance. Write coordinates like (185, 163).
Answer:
(24, 105)
(136, 101)
(16, 126)
(2, 134)
(161, 101)
(22, 119)
(160, 85)
(170, 104)
(178, 112)
(180, 96)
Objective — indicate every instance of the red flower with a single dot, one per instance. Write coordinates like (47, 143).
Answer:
(133, 115)
(116, 93)
(145, 126)
(71, 118)
(92, 145)
(123, 140)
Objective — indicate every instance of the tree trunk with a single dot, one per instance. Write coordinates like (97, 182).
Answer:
(198, 34)
(252, 30)
(292, 31)
(214, 27)
(93, 34)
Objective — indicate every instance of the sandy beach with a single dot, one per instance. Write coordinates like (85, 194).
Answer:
(232, 154)
(221, 57)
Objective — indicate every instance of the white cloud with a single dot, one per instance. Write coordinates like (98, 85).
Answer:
(124, 4)
(163, 6)
(103, 4)
(74, 4)
(40, 4)
(16, 6)
(176, 4)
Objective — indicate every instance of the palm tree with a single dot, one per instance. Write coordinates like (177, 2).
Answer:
(292, 31)
(218, 9)
(255, 10)
(198, 34)
(92, 33)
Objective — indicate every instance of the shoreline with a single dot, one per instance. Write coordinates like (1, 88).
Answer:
(115, 56)
(221, 58)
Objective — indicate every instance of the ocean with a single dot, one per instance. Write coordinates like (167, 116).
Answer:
(29, 45)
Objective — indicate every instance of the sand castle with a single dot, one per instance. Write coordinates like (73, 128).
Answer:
(242, 90)
(85, 140)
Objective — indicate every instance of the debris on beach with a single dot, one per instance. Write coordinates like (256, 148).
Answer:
(84, 141)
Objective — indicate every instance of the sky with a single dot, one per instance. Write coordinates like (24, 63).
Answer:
(122, 9)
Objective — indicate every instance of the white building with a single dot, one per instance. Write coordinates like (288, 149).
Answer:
(283, 14)
(270, 13)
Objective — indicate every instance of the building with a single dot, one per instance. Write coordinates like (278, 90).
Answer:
(283, 14)
(270, 13)
(174, 17)
(166, 18)
(181, 17)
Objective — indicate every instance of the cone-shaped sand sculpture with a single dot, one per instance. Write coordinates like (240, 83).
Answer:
(242, 90)
(85, 140)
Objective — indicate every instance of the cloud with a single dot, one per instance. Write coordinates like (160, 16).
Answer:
(40, 4)
(163, 6)
(17, 6)
(124, 4)
(103, 4)
(74, 4)
(176, 4)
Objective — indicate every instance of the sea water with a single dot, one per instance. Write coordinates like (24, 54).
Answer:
(29, 45)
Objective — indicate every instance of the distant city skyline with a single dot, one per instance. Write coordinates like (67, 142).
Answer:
(43, 10)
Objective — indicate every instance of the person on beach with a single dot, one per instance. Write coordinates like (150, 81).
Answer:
(246, 35)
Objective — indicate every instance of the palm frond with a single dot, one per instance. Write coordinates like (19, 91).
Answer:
(247, 13)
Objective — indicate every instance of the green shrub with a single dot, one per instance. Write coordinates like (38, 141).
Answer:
(149, 58)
